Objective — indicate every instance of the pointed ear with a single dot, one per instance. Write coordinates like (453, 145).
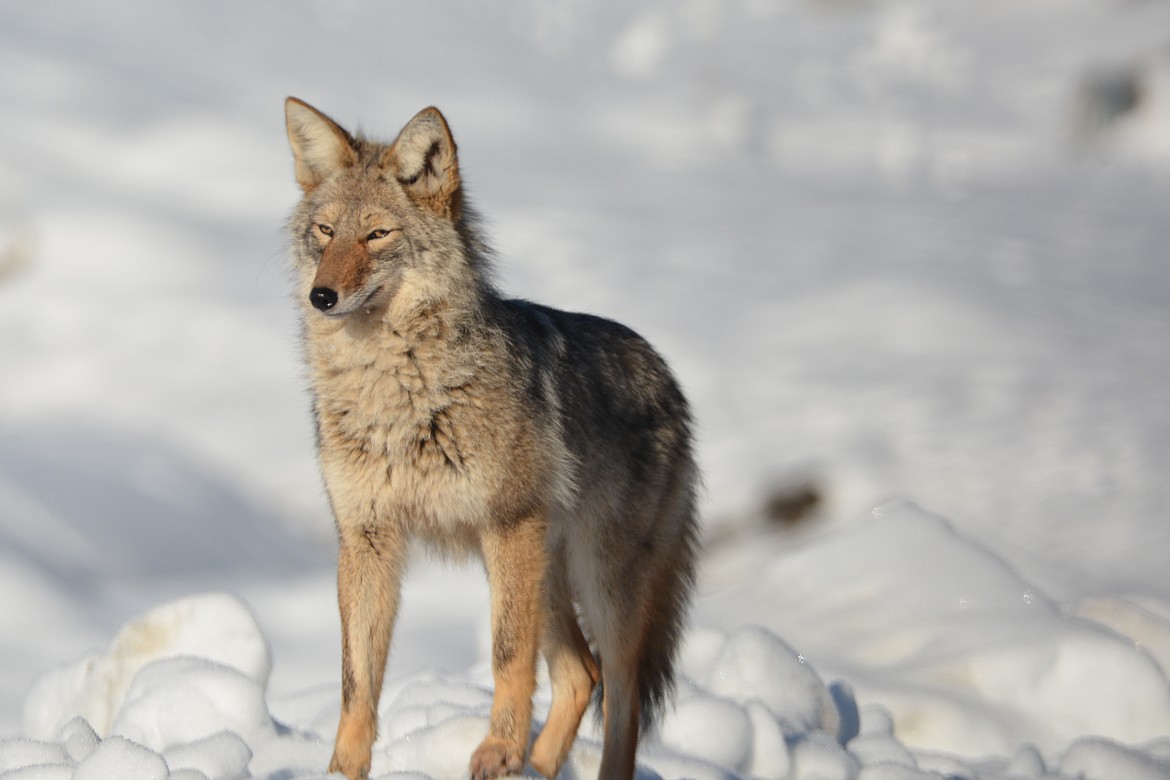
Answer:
(424, 162)
(319, 146)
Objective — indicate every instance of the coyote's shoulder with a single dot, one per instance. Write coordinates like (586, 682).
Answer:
(555, 446)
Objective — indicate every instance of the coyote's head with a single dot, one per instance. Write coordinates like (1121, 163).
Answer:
(377, 221)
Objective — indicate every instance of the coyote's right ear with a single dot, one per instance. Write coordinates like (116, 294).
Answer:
(319, 146)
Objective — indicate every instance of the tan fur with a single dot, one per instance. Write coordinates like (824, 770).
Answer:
(555, 447)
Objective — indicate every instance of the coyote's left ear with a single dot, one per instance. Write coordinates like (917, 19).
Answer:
(423, 160)
(320, 146)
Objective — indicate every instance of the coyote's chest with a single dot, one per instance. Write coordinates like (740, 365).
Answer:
(402, 428)
(388, 408)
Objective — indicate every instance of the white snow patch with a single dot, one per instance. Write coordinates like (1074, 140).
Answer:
(221, 756)
(759, 712)
(217, 628)
(118, 759)
(1097, 758)
(17, 753)
(969, 657)
(180, 700)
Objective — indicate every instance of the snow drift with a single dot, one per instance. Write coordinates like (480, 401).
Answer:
(920, 620)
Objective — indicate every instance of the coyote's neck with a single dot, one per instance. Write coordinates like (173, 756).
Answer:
(422, 346)
(392, 396)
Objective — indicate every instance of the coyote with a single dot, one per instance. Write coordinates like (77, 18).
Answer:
(555, 447)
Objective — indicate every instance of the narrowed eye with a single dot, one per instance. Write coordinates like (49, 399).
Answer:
(376, 234)
(326, 230)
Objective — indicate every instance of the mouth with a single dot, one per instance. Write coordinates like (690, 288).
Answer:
(371, 301)
(365, 303)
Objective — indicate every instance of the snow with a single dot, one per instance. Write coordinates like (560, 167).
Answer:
(896, 249)
(750, 705)
(972, 658)
(117, 689)
(927, 658)
(117, 757)
(1099, 757)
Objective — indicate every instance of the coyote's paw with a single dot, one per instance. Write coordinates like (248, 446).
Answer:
(351, 751)
(352, 769)
(494, 758)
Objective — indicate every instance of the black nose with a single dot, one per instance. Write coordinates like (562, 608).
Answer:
(323, 298)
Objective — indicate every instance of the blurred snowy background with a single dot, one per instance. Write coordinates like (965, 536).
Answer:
(908, 249)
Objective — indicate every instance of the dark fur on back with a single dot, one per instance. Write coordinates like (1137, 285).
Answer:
(613, 386)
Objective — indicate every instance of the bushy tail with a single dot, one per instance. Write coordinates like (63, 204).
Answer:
(663, 622)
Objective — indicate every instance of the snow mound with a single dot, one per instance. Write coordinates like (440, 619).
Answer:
(207, 650)
(1096, 758)
(954, 645)
(967, 655)
(180, 700)
(180, 693)
(117, 758)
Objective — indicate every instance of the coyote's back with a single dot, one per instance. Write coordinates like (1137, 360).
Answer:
(554, 446)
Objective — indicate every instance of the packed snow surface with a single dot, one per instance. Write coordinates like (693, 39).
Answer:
(893, 249)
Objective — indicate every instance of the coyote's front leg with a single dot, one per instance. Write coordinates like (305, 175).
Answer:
(369, 575)
(515, 559)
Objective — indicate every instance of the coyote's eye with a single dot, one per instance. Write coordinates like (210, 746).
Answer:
(375, 235)
(326, 230)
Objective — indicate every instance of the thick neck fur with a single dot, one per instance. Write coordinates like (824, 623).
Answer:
(432, 334)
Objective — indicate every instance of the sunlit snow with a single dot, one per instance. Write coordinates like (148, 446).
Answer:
(908, 258)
